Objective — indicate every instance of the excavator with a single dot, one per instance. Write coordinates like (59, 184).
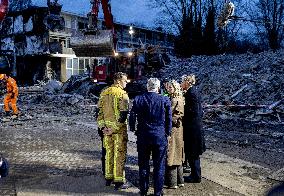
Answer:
(95, 42)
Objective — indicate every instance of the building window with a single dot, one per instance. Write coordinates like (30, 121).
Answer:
(69, 67)
(81, 66)
(81, 25)
(69, 64)
(87, 64)
(77, 66)
(73, 23)
(68, 43)
(68, 23)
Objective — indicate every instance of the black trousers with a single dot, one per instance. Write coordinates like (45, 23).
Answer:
(174, 175)
(159, 152)
(194, 163)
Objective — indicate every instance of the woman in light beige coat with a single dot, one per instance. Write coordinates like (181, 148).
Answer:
(174, 169)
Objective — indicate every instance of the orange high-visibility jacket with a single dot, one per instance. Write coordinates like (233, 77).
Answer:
(12, 86)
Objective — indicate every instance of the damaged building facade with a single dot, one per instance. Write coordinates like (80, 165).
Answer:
(43, 51)
(24, 33)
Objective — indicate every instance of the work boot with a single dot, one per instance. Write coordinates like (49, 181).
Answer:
(121, 185)
(7, 113)
(108, 182)
(15, 116)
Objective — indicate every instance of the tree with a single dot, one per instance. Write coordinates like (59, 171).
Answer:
(209, 31)
(187, 18)
(270, 17)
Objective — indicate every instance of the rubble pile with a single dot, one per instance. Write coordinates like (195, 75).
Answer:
(82, 85)
(249, 86)
(74, 92)
(245, 86)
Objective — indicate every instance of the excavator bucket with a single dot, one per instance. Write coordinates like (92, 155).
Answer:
(94, 44)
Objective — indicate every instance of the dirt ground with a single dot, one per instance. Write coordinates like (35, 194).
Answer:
(53, 144)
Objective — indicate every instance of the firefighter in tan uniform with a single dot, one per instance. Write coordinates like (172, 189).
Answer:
(11, 96)
(113, 110)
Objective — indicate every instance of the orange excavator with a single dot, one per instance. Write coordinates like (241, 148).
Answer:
(94, 42)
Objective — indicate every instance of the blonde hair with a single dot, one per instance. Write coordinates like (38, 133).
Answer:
(153, 84)
(190, 79)
(177, 89)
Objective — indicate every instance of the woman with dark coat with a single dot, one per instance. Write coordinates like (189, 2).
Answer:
(192, 126)
(174, 169)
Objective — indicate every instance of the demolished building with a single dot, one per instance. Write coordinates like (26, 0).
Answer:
(40, 38)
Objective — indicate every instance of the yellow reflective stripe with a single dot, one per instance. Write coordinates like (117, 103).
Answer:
(115, 156)
(107, 123)
(101, 123)
(108, 174)
(106, 159)
(116, 111)
(117, 178)
(111, 124)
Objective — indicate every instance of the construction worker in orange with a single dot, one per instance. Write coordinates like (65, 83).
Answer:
(11, 96)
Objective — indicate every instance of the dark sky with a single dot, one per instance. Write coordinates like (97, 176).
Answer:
(125, 11)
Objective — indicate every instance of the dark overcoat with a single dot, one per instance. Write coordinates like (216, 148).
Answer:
(192, 124)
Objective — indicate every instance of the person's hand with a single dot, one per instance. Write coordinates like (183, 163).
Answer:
(169, 138)
(107, 131)
(176, 124)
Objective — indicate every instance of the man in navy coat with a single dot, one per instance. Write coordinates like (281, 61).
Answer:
(153, 115)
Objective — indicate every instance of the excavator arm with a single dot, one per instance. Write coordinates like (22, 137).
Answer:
(107, 14)
(3, 9)
(94, 42)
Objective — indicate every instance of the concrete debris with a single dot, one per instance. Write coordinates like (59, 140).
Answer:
(79, 84)
(236, 93)
(52, 87)
(233, 80)
(278, 175)
(74, 99)
(74, 91)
